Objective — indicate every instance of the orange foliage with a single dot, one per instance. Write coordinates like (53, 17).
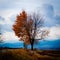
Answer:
(20, 26)
(25, 27)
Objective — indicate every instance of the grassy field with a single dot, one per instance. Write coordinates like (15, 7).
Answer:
(24, 54)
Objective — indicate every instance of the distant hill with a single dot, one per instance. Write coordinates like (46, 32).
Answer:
(11, 45)
(47, 45)
(43, 45)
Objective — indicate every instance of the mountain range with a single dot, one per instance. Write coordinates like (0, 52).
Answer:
(43, 45)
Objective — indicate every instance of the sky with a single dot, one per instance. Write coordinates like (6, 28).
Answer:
(50, 11)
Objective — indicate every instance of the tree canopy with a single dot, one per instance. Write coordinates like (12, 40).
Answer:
(26, 27)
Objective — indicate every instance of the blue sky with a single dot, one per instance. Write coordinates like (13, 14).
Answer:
(50, 11)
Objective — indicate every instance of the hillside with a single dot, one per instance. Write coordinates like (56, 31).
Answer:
(23, 54)
(41, 45)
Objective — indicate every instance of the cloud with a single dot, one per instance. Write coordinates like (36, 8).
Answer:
(6, 21)
(54, 33)
(5, 25)
(9, 37)
(48, 13)
(14, 7)
(26, 4)
(20, 4)
(47, 10)
(8, 13)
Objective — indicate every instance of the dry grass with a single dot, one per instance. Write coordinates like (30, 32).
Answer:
(23, 54)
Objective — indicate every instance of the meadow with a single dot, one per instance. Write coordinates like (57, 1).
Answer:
(27, 54)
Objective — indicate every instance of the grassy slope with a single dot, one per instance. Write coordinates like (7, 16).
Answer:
(23, 54)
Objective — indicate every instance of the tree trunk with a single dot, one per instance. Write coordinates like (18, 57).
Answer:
(31, 46)
(25, 46)
(32, 43)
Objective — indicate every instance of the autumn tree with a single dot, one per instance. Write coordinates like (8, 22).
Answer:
(26, 27)
(20, 26)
